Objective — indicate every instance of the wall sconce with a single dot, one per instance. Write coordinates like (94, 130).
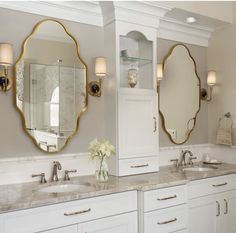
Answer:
(159, 74)
(6, 60)
(94, 87)
(211, 82)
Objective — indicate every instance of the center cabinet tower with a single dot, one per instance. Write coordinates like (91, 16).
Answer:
(130, 97)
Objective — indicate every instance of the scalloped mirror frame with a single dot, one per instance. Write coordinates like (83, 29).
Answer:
(23, 49)
(158, 90)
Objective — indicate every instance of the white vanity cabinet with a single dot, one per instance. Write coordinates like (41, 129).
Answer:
(164, 210)
(212, 205)
(68, 229)
(131, 119)
(124, 223)
(138, 135)
(108, 214)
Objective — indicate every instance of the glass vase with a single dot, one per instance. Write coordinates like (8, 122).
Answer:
(102, 171)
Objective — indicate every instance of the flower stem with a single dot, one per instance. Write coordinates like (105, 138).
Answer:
(101, 164)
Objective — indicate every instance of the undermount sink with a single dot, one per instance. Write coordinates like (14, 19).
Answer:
(199, 169)
(63, 188)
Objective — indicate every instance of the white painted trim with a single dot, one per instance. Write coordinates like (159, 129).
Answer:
(180, 147)
(148, 14)
(174, 30)
(43, 157)
(84, 13)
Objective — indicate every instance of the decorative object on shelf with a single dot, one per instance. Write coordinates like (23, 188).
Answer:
(101, 150)
(159, 74)
(6, 60)
(224, 131)
(133, 77)
(211, 82)
(94, 87)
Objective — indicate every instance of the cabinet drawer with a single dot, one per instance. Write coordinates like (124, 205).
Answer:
(162, 198)
(58, 215)
(166, 220)
(138, 166)
(211, 186)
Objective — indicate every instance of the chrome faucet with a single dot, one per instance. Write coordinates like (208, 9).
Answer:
(56, 167)
(182, 158)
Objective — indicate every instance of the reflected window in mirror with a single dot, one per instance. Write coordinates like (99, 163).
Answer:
(179, 94)
(51, 81)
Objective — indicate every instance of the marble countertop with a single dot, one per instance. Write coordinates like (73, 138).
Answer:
(27, 195)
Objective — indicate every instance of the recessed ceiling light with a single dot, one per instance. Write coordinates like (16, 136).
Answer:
(191, 20)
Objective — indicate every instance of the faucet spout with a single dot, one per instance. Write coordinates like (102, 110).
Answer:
(56, 166)
(182, 158)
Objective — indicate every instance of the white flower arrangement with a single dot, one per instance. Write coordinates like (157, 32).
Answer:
(101, 150)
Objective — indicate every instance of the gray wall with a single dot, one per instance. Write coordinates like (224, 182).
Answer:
(15, 26)
(200, 133)
(222, 59)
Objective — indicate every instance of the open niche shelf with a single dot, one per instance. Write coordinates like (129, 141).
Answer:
(136, 61)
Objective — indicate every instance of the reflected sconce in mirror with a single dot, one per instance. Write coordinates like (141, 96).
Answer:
(94, 87)
(6, 60)
(159, 74)
(211, 82)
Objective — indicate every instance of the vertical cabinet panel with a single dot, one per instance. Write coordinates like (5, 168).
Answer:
(138, 124)
(125, 223)
(228, 212)
(203, 215)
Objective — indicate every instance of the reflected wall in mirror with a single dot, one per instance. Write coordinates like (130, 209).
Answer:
(50, 85)
(179, 94)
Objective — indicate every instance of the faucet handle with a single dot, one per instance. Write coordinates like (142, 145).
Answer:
(176, 162)
(42, 175)
(67, 177)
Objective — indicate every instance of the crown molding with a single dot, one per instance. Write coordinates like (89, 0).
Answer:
(148, 14)
(174, 30)
(87, 12)
(141, 13)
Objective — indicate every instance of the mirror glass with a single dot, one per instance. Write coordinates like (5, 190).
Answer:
(179, 94)
(50, 85)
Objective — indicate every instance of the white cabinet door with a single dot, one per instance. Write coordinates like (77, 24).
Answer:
(125, 223)
(68, 229)
(228, 212)
(204, 215)
(138, 123)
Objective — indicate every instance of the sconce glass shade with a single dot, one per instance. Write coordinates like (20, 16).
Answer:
(159, 72)
(6, 54)
(211, 78)
(100, 67)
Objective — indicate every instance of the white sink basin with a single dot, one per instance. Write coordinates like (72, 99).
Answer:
(199, 169)
(63, 188)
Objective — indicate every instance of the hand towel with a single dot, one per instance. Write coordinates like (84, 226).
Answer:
(224, 132)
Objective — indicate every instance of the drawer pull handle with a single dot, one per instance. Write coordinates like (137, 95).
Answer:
(169, 221)
(138, 166)
(218, 185)
(77, 212)
(155, 124)
(226, 207)
(166, 198)
(218, 209)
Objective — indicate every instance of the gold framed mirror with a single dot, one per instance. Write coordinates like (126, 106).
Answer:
(179, 94)
(50, 85)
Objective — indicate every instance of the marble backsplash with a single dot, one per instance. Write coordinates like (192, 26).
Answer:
(18, 170)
